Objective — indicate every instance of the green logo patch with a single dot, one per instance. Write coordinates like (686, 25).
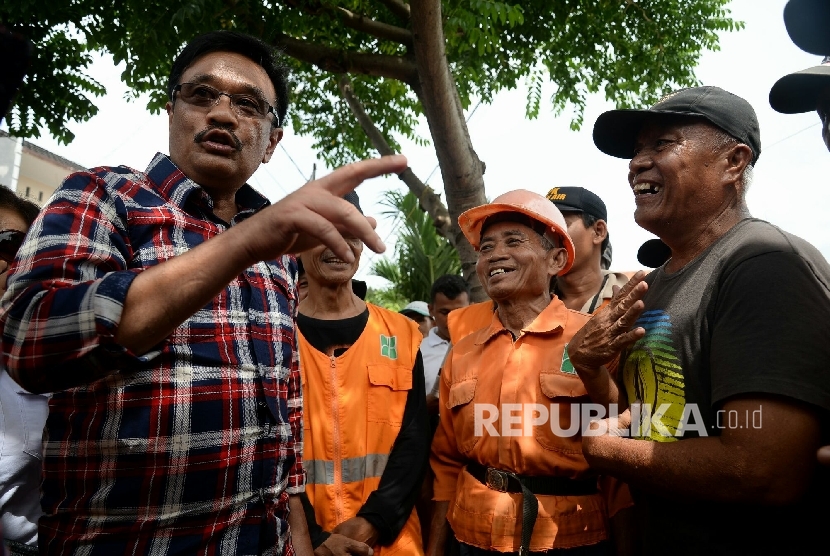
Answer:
(567, 366)
(388, 346)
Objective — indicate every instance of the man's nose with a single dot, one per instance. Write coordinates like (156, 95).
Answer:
(638, 163)
(223, 110)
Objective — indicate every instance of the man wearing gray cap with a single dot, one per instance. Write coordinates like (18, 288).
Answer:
(724, 347)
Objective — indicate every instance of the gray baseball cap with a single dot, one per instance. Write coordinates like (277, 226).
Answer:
(799, 92)
(616, 131)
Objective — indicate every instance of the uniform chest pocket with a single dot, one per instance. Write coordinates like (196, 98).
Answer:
(389, 386)
(564, 395)
(463, 414)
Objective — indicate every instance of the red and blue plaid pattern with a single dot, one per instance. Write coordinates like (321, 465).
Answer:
(191, 448)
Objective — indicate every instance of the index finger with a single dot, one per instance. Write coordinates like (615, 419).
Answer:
(346, 178)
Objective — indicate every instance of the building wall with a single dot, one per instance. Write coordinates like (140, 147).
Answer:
(32, 172)
(10, 155)
(39, 178)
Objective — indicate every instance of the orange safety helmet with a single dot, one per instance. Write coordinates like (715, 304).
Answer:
(521, 201)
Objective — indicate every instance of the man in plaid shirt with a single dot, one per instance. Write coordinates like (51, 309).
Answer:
(159, 308)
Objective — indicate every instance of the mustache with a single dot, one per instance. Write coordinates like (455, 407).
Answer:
(199, 137)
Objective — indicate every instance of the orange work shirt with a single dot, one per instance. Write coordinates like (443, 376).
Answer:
(466, 320)
(487, 371)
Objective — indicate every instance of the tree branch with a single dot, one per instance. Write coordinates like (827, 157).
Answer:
(355, 21)
(377, 29)
(427, 198)
(341, 61)
(400, 9)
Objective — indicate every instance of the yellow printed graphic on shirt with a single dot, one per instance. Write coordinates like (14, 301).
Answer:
(652, 375)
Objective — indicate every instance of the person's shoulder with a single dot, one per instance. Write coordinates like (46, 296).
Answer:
(393, 318)
(576, 319)
(465, 320)
(755, 238)
(618, 278)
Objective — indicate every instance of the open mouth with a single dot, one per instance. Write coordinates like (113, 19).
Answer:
(497, 271)
(647, 188)
(219, 139)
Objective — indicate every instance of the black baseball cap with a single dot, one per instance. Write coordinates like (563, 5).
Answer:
(578, 199)
(807, 23)
(615, 131)
(799, 92)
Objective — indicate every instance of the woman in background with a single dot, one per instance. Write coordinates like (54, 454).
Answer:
(22, 414)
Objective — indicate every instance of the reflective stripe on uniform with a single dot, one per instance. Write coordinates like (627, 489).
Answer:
(321, 472)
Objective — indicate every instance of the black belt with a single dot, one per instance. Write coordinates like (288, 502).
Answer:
(505, 481)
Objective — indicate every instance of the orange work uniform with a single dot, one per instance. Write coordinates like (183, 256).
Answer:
(354, 409)
(487, 371)
(466, 320)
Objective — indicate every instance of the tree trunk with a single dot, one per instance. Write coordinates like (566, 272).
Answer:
(427, 198)
(461, 169)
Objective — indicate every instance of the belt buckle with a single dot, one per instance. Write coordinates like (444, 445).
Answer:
(496, 480)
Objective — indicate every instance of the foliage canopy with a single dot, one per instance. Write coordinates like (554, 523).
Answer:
(635, 51)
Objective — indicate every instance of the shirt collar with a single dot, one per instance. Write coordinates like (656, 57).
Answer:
(433, 339)
(175, 187)
(552, 319)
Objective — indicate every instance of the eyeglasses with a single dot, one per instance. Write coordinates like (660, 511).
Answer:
(245, 104)
(10, 241)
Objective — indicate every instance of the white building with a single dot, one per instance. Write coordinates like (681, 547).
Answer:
(30, 171)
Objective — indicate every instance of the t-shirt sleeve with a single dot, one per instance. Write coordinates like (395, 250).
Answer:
(771, 331)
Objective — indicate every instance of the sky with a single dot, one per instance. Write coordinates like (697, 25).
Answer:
(536, 154)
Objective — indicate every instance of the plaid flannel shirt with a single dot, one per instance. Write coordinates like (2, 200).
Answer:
(191, 448)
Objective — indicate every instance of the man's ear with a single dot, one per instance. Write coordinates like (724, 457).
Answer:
(169, 108)
(274, 139)
(557, 259)
(738, 157)
(600, 232)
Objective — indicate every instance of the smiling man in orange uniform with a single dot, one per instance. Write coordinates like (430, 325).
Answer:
(488, 475)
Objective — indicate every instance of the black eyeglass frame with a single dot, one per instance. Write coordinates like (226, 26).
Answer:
(231, 97)
(10, 238)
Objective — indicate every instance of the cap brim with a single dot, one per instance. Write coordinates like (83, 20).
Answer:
(798, 92)
(567, 208)
(653, 253)
(807, 22)
(472, 220)
(615, 131)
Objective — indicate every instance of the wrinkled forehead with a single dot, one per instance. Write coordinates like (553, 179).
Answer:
(221, 68)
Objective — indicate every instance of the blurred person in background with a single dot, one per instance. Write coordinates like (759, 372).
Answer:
(419, 312)
(22, 414)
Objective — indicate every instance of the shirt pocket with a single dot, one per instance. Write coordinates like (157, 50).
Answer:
(462, 411)
(389, 386)
(563, 394)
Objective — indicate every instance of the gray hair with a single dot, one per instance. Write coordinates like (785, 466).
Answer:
(721, 140)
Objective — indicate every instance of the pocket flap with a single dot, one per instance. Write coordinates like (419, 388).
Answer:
(561, 385)
(393, 377)
(461, 393)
